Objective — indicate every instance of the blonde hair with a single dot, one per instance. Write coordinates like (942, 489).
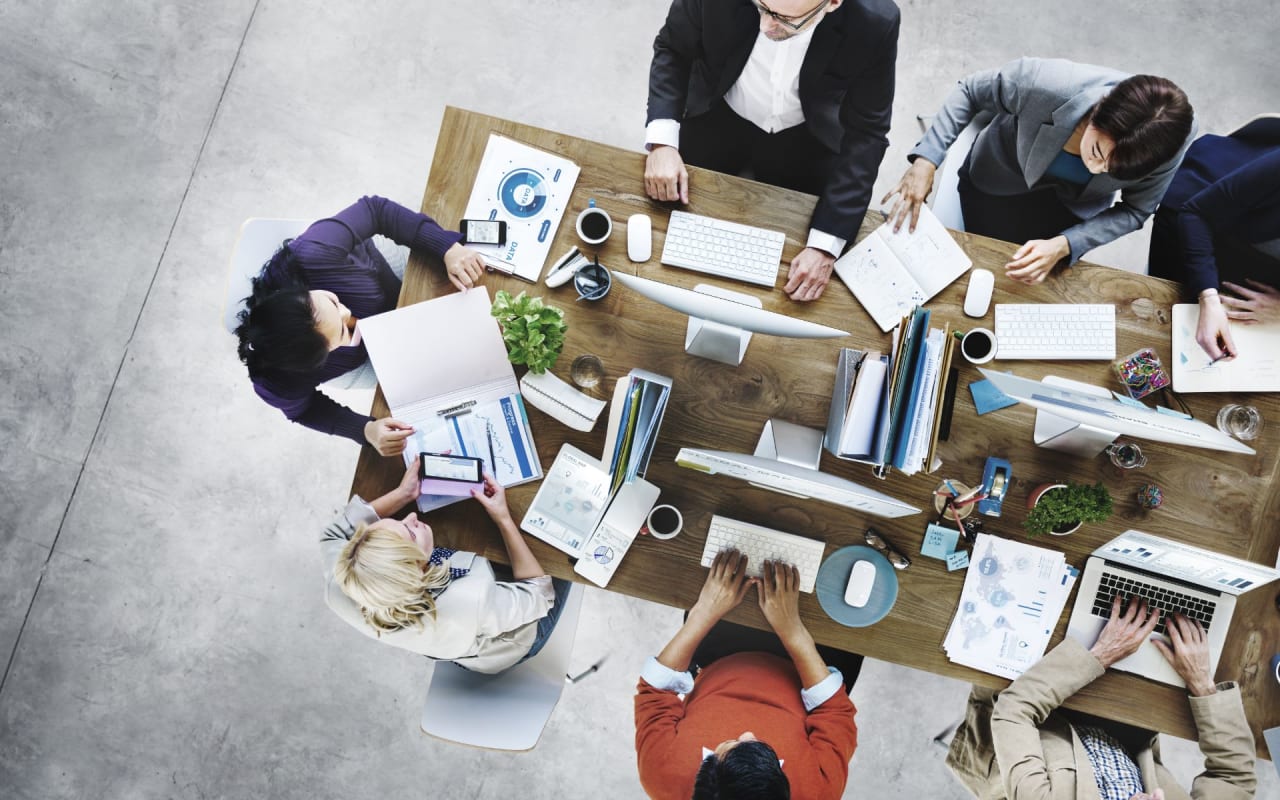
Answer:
(390, 579)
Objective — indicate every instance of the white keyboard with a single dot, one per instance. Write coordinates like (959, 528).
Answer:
(760, 544)
(1055, 332)
(726, 249)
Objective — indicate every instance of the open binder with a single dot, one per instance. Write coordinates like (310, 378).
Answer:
(885, 408)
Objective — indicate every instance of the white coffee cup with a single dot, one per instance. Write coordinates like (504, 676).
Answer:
(594, 225)
(978, 346)
(669, 522)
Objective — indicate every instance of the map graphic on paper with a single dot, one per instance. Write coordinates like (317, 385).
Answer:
(528, 189)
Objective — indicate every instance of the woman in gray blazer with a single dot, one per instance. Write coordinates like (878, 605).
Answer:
(1064, 138)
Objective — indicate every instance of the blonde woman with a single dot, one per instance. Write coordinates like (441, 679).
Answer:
(387, 578)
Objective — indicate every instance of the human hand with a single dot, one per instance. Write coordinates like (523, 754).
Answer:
(1124, 633)
(808, 274)
(779, 598)
(1188, 655)
(724, 588)
(463, 265)
(387, 435)
(1213, 332)
(411, 484)
(1261, 303)
(494, 499)
(1033, 262)
(665, 176)
(912, 191)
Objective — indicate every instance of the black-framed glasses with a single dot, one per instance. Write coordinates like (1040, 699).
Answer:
(794, 23)
(898, 560)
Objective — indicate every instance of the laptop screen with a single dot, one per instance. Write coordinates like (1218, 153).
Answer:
(1187, 563)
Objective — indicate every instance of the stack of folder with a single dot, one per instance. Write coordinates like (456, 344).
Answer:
(639, 401)
(885, 408)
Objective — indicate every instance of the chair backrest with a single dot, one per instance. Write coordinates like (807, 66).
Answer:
(1262, 126)
(946, 181)
(506, 711)
(259, 238)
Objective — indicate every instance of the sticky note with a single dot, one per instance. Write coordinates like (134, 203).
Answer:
(986, 397)
(1128, 401)
(957, 560)
(939, 542)
(1171, 412)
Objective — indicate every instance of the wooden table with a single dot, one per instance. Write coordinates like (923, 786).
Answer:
(1224, 501)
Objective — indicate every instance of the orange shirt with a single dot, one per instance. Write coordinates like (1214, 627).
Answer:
(756, 692)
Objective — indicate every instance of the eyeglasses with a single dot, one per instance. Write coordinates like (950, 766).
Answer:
(898, 560)
(794, 23)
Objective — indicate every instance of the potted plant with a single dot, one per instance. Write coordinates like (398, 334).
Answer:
(532, 331)
(1061, 508)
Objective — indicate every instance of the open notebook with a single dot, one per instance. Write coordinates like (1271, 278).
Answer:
(1256, 367)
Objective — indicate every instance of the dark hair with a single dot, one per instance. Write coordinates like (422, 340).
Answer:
(750, 771)
(1149, 119)
(277, 328)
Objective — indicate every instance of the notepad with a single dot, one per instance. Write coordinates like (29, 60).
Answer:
(1256, 367)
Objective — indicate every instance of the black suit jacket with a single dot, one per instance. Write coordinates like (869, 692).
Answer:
(846, 85)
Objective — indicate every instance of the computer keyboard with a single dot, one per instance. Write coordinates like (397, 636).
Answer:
(721, 248)
(1166, 599)
(760, 544)
(1055, 331)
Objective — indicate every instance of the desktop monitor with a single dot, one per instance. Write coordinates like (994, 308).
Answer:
(793, 480)
(1131, 418)
(721, 321)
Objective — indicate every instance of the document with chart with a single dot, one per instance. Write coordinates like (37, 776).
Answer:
(891, 273)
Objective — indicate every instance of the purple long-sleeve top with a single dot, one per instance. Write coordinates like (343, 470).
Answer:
(336, 254)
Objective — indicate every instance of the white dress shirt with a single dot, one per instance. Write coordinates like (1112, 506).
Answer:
(766, 94)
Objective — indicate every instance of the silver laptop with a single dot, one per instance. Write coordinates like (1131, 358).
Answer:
(1174, 577)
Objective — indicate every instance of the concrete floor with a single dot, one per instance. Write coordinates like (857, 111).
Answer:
(162, 632)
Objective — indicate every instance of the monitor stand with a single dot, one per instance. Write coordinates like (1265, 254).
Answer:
(1066, 435)
(716, 341)
(791, 444)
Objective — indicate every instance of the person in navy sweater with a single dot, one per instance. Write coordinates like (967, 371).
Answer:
(298, 327)
(1219, 227)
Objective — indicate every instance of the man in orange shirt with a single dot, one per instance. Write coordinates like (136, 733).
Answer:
(754, 724)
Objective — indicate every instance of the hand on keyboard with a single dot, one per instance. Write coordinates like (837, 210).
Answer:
(1188, 654)
(808, 275)
(780, 598)
(724, 588)
(1033, 262)
(1125, 631)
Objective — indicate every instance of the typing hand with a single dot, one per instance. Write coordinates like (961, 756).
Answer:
(1213, 332)
(779, 599)
(1125, 632)
(464, 266)
(725, 586)
(808, 275)
(1260, 303)
(912, 191)
(1188, 654)
(665, 176)
(387, 435)
(1033, 262)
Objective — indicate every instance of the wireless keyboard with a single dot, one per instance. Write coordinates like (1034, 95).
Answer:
(721, 248)
(1055, 332)
(760, 544)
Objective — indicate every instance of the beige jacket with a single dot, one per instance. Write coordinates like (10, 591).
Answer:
(1023, 748)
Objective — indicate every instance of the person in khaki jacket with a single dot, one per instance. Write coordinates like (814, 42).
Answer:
(1019, 744)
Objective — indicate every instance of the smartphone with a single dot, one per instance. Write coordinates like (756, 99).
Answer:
(483, 231)
(451, 468)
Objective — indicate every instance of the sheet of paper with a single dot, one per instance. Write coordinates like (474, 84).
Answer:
(1256, 367)
(529, 189)
(570, 502)
(880, 282)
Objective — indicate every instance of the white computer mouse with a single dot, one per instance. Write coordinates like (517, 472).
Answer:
(639, 237)
(978, 297)
(861, 578)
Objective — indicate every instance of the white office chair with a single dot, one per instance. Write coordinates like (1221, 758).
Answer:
(506, 711)
(946, 181)
(259, 238)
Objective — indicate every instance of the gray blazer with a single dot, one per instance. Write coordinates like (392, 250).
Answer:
(1037, 104)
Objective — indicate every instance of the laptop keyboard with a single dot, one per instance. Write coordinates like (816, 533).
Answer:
(1164, 598)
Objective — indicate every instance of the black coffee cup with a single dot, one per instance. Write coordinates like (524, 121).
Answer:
(978, 346)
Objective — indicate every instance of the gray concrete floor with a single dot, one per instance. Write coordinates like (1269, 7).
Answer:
(162, 632)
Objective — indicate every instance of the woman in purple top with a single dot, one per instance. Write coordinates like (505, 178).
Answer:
(298, 327)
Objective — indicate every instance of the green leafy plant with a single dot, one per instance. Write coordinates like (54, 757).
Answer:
(1066, 506)
(533, 331)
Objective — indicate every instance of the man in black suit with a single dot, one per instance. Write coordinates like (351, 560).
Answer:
(799, 93)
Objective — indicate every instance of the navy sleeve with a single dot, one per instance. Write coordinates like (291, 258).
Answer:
(1254, 185)
(377, 215)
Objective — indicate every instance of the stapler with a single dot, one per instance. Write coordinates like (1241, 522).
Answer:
(995, 478)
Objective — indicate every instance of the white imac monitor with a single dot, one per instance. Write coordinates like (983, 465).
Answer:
(793, 480)
(1106, 413)
(721, 321)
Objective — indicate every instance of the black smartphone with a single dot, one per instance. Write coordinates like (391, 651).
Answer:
(483, 231)
(451, 468)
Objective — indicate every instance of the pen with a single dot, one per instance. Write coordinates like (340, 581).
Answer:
(493, 471)
(1225, 354)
